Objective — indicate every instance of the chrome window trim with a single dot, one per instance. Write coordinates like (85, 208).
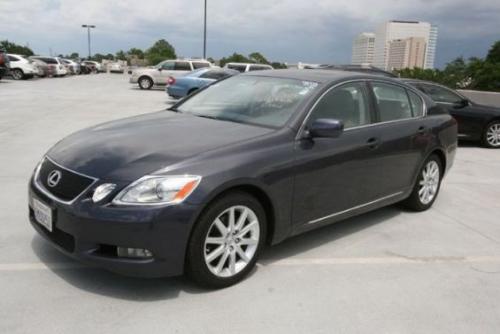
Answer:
(40, 186)
(353, 208)
(414, 90)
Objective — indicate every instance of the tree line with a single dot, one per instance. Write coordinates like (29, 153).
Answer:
(473, 73)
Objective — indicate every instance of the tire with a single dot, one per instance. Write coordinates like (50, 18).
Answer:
(203, 258)
(17, 74)
(417, 201)
(145, 83)
(491, 135)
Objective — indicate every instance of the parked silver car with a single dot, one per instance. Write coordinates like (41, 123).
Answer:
(159, 74)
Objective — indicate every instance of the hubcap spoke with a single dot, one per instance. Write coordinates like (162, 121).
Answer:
(215, 254)
(429, 182)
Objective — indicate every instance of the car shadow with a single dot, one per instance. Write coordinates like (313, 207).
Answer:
(102, 282)
(327, 234)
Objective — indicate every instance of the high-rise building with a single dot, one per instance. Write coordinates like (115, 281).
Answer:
(402, 30)
(362, 49)
(406, 53)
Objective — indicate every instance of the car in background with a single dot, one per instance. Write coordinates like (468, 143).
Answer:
(191, 82)
(72, 66)
(148, 77)
(476, 122)
(95, 66)
(4, 63)
(116, 67)
(368, 69)
(42, 67)
(252, 160)
(247, 67)
(21, 67)
(56, 66)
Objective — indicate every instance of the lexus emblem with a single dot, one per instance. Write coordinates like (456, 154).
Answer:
(54, 178)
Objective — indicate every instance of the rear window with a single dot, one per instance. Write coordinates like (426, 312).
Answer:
(240, 68)
(258, 68)
(197, 64)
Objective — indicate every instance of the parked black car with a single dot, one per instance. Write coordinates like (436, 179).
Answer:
(252, 159)
(4, 63)
(475, 121)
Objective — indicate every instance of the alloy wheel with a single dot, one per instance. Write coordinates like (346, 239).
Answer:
(145, 83)
(231, 241)
(493, 135)
(429, 182)
(17, 74)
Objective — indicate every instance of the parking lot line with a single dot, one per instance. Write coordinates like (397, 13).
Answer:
(387, 260)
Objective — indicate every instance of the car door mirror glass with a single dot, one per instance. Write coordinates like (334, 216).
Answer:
(326, 128)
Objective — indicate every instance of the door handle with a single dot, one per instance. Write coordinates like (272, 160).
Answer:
(421, 130)
(373, 143)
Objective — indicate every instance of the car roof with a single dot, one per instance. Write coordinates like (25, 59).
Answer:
(320, 76)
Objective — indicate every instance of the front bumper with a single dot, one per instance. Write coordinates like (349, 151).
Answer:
(89, 233)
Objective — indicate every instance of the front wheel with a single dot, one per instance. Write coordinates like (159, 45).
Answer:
(427, 187)
(226, 241)
(491, 137)
(17, 74)
(145, 83)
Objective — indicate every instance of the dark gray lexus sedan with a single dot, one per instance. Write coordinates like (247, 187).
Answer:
(248, 161)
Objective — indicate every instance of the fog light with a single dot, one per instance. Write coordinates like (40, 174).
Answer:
(134, 252)
(102, 191)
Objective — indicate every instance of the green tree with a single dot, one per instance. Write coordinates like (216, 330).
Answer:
(234, 58)
(74, 55)
(494, 53)
(257, 57)
(135, 52)
(161, 50)
(120, 55)
(15, 48)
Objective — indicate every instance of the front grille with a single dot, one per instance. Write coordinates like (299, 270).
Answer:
(69, 184)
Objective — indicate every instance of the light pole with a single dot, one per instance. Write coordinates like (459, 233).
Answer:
(88, 26)
(205, 33)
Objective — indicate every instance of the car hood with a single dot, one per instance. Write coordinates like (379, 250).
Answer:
(127, 149)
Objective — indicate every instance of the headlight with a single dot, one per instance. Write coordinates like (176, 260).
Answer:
(102, 191)
(156, 190)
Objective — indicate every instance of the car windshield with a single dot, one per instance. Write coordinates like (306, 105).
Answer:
(258, 100)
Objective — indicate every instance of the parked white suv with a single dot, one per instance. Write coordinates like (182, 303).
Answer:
(247, 67)
(21, 67)
(159, 74)
(56, 65)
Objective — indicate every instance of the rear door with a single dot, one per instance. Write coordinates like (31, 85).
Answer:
(404, 134)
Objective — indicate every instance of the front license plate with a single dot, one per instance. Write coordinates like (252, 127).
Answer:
(43, 214)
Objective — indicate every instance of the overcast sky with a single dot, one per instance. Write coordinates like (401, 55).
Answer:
(283, 30)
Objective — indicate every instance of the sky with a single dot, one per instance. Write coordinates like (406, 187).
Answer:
(319, 31)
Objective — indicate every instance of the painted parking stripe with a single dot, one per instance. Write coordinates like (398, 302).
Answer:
(390, 260)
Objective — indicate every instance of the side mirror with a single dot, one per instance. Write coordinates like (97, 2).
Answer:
(461, 104)
(326, 128)
(160, 69)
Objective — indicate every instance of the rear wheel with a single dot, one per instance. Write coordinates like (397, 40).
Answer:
(226, 241)
(491, 136)
(145, 83)
(427, 187)
(17, 74)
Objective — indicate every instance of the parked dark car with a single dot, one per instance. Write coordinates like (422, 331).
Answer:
(4, 63)
(86, 69)
(253, 159)
(476, 122)
(191, 82)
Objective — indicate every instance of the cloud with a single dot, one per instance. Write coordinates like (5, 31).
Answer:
(283, 29)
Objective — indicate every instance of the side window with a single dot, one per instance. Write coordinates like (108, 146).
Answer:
(216, 75)
(197, 65)
(417, 105)
(182, 66)
(392, 101)
(169, 65)
(440, 94)
(258, 68)
(347, 103)
(12, 58)
(240, 68)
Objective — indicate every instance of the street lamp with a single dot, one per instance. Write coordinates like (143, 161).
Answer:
(88, 26)
(205, 33)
